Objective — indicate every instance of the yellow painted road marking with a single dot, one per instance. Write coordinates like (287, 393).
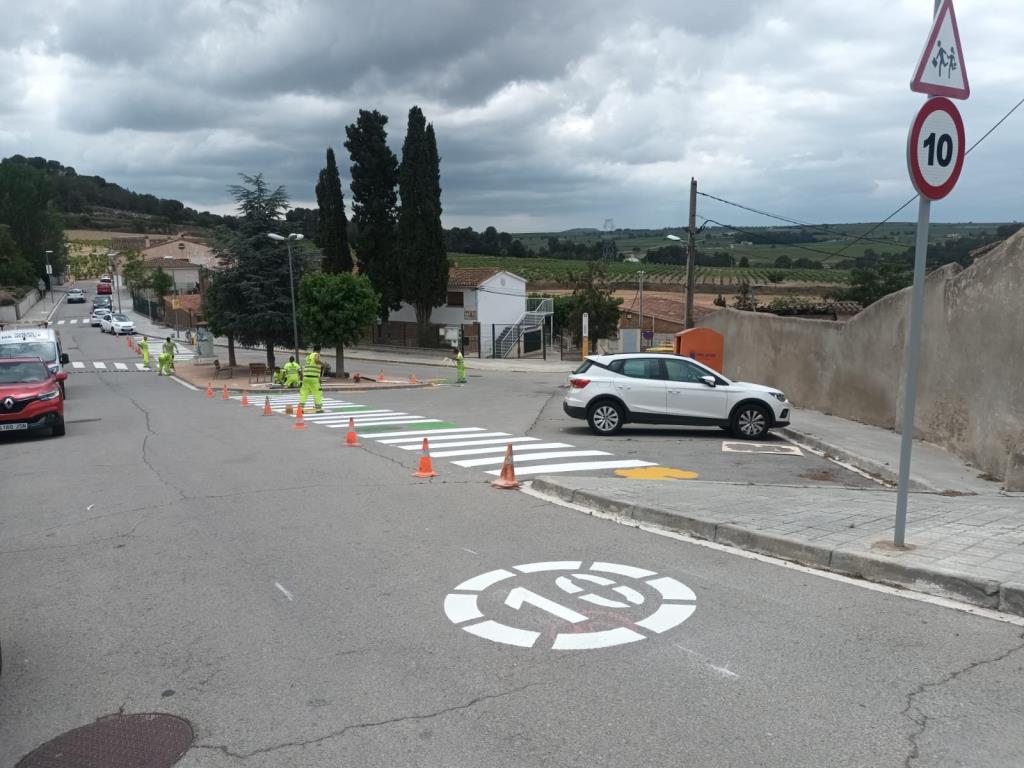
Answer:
(657, 473)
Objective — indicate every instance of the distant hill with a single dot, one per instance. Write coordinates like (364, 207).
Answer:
(92, 202)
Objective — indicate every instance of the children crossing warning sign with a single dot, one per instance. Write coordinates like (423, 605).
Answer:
(941, 70)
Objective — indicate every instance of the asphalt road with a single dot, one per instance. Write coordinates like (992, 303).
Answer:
(287, 596)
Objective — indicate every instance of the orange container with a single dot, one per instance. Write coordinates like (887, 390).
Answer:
(703, 345)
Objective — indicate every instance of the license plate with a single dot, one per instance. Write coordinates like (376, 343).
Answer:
(12, 427)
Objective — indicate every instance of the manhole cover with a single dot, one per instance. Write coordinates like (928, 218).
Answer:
(116, 741)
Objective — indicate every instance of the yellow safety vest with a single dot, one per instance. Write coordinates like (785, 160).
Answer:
(312, 367)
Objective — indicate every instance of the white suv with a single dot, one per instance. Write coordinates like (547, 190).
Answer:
(611, 390)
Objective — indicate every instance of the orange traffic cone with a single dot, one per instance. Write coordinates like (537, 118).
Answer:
(289, 410)
(426, 468)
(129, 342)
(507, 478)
(266, 407)
(245, 400)
(224, 393)
(412, 379)
(380, 376)
(209, 390)
(299, 423)
(357, 377)
(350, 437)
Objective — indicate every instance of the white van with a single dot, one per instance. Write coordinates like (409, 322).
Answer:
(39, 341)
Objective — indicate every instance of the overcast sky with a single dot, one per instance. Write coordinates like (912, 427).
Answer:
(549, 114)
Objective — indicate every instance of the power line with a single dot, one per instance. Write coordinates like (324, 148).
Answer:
(820, 227)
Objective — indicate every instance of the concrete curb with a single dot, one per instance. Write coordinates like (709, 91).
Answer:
(864, 464)
(983, 592)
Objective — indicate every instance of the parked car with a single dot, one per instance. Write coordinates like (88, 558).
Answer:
(30, 397)
(104, 289)
(36, 342)
(612, 390)
(116, 324)
(76, 296)
(98, 313)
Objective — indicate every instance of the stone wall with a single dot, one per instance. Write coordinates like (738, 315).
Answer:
(17, 311)
(971, 378)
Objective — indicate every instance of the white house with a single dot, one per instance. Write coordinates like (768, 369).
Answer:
(491, 297)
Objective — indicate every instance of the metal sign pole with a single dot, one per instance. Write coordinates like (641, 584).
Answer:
(913, 354)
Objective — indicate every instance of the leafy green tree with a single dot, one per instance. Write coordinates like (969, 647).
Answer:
(25, 207)
(783, 262)
(332, 224)
(374, 185)
(219, 309)
(135, 275)
(869, 284)
(592, 294)
(161, 283)
(14, 268)
(744, 261)
(745, 298)
(421, 251)
(256, 269)
(335, 310)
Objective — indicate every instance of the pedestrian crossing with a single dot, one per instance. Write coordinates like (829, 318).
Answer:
(465, 447)
(101, 366)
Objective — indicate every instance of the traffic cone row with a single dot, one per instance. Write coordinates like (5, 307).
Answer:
(209, 390)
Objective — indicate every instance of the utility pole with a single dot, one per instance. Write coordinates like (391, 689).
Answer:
(641, 274)
(690, 255)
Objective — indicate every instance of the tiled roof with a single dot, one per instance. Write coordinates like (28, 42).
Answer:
(169, 264)
(469, 277)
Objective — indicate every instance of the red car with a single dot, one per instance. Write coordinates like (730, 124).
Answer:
(30, 396)
(104, 288)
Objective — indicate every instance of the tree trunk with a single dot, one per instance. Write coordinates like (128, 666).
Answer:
(423, 338)
(339, 362)
(270, 354)
(231, 350)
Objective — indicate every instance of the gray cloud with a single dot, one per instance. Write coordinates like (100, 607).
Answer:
(547, 114)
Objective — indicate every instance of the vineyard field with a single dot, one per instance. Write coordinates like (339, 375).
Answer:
(558, 270)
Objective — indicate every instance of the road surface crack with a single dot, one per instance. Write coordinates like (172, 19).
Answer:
(914, 713)
(359, 726)
(150, 432)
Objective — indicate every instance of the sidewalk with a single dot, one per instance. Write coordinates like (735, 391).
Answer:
(876, 451)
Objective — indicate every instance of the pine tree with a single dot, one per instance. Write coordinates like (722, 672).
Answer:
(421, 251)
(332, 224)
(375, 206)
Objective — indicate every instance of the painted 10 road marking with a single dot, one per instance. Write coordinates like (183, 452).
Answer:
(676, 603)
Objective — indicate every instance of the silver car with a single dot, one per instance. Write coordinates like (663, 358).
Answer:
(116, 324)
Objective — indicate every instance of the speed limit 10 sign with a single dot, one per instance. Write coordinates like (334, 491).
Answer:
(935, 148)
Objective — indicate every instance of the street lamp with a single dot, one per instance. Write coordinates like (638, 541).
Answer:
(688, 320)
(291, 282)
(49, 275)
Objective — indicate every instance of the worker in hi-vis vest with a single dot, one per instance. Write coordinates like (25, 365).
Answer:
(291, 373)
(311, 381)
(144, 348)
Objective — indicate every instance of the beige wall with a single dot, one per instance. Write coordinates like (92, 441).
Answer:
(971, 380)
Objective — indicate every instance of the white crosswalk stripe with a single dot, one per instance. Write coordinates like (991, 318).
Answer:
(121, 366)
(99, 366)
(78, 365)
(141, 367)
(60, 322)
(466, 447)
(497, 460)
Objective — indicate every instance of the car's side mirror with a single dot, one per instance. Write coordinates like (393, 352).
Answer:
(709, 380)
(64, 359)
(61, 376)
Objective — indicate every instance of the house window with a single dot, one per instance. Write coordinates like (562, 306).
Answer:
(455, 299)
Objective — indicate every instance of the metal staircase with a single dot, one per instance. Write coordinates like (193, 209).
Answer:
(536, 315)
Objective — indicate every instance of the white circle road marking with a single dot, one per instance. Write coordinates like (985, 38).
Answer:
(462, 605)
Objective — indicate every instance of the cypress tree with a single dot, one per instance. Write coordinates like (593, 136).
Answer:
(374, 174)
(332, 224)
(421, 250)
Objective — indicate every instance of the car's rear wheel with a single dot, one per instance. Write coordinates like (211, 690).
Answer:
(58, 429)
(606, 417)
(751, 421)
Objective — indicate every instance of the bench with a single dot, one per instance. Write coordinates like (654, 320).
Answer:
(258, 372)
(219, 370)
